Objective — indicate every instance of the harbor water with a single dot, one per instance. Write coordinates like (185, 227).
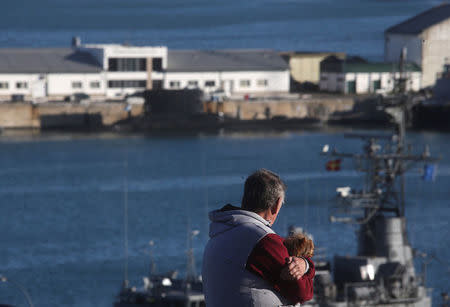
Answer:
(64, 197)
(351, 26)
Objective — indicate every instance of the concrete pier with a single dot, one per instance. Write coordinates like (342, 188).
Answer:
(61, 114)
(92, 116)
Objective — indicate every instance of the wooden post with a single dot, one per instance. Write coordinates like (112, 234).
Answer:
(149, 73)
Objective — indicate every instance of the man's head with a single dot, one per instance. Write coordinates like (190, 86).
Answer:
(264, 191)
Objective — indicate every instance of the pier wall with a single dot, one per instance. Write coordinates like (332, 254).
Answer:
(49, 115)
(320, 108)
(26, 115)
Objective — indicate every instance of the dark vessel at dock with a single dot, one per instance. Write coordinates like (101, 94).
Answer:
(161, 290)
(434, 113)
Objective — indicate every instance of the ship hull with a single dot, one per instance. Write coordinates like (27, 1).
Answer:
(431, 117)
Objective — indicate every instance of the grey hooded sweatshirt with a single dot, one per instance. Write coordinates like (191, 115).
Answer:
(226, 282)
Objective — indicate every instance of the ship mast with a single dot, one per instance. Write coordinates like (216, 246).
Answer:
(384, 160)
(384, 164)
(382, 272)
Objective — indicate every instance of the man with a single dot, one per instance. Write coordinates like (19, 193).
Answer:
(245, 263)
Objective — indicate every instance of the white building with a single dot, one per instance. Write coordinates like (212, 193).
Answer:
(356, 76)
(38, 73)
(234, 71)
(127, 69)
(426, 38)
(113, 71)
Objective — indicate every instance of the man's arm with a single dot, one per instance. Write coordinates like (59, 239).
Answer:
(268, 260)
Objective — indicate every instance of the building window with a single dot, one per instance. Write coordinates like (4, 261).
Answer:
(127, 83)
(262, 82)
(323, 78)
(193, 83)
(376, 84)
(351, 87)
(174, 84)
(340, 79)
(157, 64)
(95, 84)
(244, 83)
(210, 83)
(4, 85)
(21, 85)
(157, 84)
(77, 84)
(127, 64)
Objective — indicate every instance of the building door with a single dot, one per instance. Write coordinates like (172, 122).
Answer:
(376, 85)
(39, 89)
(228, 86)
(351, 87)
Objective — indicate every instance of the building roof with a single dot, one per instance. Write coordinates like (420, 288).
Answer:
(423, 21)
(379, 67)
(224, 60)
(312, 53)
(47, 60)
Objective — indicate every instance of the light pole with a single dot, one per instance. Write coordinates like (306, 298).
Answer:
(3, 278)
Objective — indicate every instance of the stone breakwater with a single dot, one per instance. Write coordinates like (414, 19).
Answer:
(312, 107)
(106, 114)
(61, 115)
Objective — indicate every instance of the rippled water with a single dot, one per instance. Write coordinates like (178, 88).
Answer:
(61, 227)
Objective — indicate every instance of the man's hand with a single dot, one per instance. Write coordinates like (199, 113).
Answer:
(294, 269)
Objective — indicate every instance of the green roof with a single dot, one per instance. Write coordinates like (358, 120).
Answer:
(378, 67)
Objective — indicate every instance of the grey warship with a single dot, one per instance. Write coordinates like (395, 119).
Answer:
(382, 273)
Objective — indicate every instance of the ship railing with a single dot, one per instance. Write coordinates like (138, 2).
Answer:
(368, 285)
(355, 208)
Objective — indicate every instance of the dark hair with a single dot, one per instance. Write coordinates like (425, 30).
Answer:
(262, 190)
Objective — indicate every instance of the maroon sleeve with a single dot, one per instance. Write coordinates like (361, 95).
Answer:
(267, 259)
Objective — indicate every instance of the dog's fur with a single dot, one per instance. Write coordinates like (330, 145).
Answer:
(299, 245)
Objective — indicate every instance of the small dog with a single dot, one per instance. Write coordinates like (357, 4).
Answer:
(299, 245)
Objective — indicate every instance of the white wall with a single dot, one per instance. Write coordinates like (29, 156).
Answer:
(126, 75)
(61, 84)
(436, 48)
(335, 82)
(12, 80)
(276, 81)
(362, 83)
(387, 81)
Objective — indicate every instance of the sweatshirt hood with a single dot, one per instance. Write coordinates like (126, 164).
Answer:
(230, 217)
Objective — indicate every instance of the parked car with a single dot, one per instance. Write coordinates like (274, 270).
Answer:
(78, 97)
(136, 98)
(217, 95)
(17, 98)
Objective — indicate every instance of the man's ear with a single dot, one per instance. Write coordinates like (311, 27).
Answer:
(277, 207)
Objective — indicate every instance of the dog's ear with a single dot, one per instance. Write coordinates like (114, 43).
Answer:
(310, 248)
